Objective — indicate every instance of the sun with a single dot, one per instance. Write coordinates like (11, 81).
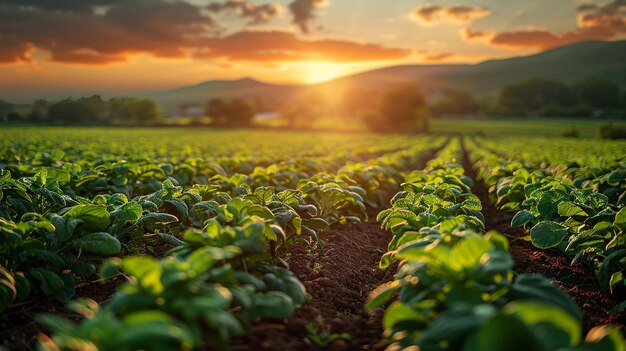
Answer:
(313, 72)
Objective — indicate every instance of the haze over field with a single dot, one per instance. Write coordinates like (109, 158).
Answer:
(54, 49)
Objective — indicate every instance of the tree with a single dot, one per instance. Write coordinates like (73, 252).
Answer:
(532, 95)
(399, 110)
(15, 115)
(217, 109)
(39, 111)
(72, 111)
(145, 110)
(240, 113)
(234, 113)
(597, 92)
(134, 110)
(5, 109)
(455, 103)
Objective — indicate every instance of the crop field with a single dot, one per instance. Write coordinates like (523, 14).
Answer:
(196, 239)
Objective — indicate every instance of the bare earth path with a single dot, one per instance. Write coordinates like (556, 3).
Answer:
(339, 278)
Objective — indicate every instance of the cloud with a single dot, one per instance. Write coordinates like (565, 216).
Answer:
(171, 30)
(471, 34)
(433, 14)
(281, 46)
(438, 57)
(75, 6)
(257, 14)
(594, 23)
(303, 12)
(73, 36)
(587, 7)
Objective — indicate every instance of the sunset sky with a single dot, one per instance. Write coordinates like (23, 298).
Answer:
(57, 48)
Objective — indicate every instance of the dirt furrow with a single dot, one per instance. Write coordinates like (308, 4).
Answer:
(339, 276)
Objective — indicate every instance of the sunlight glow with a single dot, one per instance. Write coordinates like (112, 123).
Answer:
(320, 71)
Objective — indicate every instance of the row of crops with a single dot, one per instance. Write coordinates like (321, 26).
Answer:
(565, 197)
(455, 288)
(200, 225)
(228, 222)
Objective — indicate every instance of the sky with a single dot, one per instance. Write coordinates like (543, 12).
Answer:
(58, 48)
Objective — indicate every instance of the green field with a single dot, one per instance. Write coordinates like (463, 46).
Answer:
(203, 237)
(526, 126)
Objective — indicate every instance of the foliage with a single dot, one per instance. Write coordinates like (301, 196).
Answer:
(573, 205)
(455, 103)
(234, 113)
(398, 109)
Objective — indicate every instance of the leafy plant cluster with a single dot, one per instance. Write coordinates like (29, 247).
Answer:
(228, 221)
(577, 207)
(455, 288)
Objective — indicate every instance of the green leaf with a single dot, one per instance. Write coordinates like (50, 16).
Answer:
(50, 282)
(467, 253)
(502, 333)
(65, 227)
(397, 313)
(521, 218)
(553, 327)
(539, 289)
(274, 304)
(94, 217)
(151, 219)
(616, 177)
(130, 212)
(569, 209)
(100, 243)
(547, 234)
(620, 219)
(8, 291)
(110, 267)
(609, 265)
(382, 294)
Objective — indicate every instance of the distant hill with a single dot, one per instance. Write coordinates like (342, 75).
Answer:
(605, 59)
(566, 64)
(201, 93)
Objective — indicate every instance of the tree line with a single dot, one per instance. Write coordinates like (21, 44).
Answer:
(402, 108)
(85, 110)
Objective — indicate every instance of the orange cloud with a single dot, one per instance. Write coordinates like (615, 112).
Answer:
(280, 46)
(437, 57)
(595, 23)
(166, 29)
(471, 34)
(163, 29)
(431, 14)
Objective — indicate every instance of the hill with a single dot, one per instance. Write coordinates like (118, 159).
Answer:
(605, 59)
(199, 94)
(565, 64)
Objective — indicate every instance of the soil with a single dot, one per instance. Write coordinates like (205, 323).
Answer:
(579, 282)
(339, 276)
(19, 324)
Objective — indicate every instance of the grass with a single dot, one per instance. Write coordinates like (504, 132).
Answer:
(519, 126)
(531, 126)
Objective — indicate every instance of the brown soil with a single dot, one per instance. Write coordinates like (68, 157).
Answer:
(339, 276)
(578, 281)
(19, 326)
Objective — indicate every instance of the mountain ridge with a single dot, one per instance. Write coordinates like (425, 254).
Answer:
(569, 63)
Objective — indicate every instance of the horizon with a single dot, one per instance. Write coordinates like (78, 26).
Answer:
(145, 46)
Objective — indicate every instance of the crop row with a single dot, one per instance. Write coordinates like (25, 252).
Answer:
(455, 288)
(226, 236)
(575, 206)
